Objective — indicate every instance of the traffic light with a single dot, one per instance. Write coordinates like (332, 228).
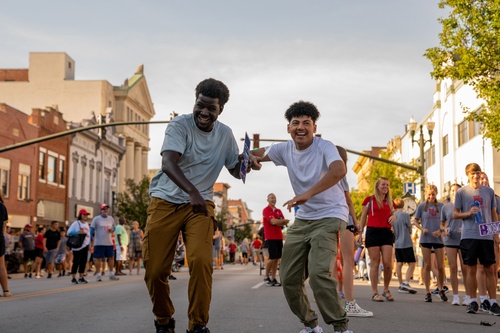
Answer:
(256, 143)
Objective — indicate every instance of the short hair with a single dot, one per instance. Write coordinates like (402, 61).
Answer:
(122, 220)
(472, 167)
(399, 203)
(214, 89)
(54, 222)
(302, 108)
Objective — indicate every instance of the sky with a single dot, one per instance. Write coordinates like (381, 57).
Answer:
(360, 62)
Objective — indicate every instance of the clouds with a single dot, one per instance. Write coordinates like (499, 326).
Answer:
(360, 62)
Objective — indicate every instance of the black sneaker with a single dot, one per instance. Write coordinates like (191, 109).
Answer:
(495, 309)
(171, 277)
(472, 307)
(428, 298)
(49, 276)
(435, 291)
(199, 329)
(30, 275)
(74, 281)
(267, 280)
(169, 328)
(25, 275)
(274, 283)
(485, 306)
(82, 280)
(443, 296)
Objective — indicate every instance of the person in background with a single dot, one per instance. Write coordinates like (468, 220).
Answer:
(27, 244)
(232, 251)
(4, 217)
(39, 252)
(427, 219)
(347, 245)
(51, 241)
(474, 205)
(403, 247)
(274, 221)
(101, 232)
(60, 260)
(245, 251)
(217, 239)
(135, 247)
(121, 241)
(256, 244)
(80, 255)
(453, 232)
(378, 217)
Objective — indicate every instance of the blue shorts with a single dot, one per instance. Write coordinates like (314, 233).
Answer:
(103, 251)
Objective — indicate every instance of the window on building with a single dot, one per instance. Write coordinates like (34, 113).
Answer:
(62, 163)
(4, 176)
(73, 179)
(23, 182)
(445, 145)
(91, 182)
(430, 157)
(82, 181)
(42, 165)
(467, 129)
(51, 169)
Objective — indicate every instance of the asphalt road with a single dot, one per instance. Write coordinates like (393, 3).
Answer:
(241, 303)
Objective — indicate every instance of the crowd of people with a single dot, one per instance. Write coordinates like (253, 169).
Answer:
(103, 243)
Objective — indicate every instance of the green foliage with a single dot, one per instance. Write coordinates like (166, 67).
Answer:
(243, 232)
(133, 202)
(469, 51)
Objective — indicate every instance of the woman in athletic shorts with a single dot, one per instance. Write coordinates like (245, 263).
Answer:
(453, 231)
(378, 216)
(427, 219)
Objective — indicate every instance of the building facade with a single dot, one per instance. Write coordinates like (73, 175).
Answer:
(50, 80)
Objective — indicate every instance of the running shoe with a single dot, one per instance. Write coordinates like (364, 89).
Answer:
(405, 288)
(485, 306)
(428, 298)
(472, 307)
(495, 309)
(317, 329)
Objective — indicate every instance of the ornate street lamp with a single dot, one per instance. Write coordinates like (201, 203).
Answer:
(412, 126)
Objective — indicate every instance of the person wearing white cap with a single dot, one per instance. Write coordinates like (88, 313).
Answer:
(101, 233)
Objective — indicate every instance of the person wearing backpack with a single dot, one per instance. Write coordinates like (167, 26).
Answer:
(80, 254)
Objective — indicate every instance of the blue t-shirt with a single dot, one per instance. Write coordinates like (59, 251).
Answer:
(203, 154)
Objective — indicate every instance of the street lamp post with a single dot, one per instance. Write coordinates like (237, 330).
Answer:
(421, 143)
(113, 198)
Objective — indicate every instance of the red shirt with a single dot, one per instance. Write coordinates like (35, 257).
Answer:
(272, 232)
(378, 217)
(256, 244)
(39, 241)
(232, 248)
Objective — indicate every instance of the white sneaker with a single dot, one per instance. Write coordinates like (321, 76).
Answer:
(466, 300)
(456, 300)
(317, 329)
(343, 332)
(98, 278)
(354, 310)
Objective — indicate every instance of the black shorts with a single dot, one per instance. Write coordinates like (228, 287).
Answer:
(478, 249)
(275, 248)
(29, 255)
(378, 237)
(244, 254)
(39, 253)
(2, 245)
(405, 255)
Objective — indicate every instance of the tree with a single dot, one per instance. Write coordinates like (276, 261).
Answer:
(134, 201)
(470, 52)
